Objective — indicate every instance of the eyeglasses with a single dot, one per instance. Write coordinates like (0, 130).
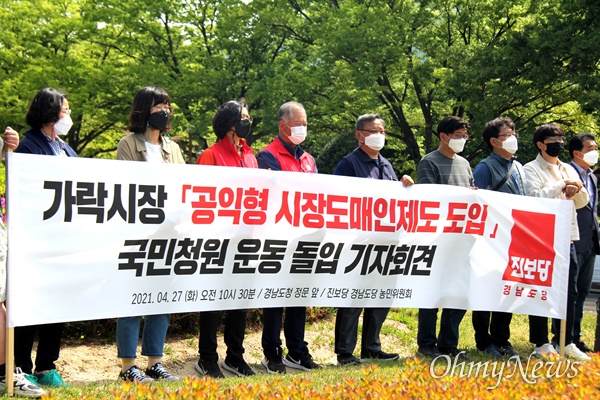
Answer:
(555, 139)
(159, 108)
(373, 131)
(466, 137)
(509, 134)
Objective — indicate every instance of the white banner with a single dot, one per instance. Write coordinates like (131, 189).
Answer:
(92, 239)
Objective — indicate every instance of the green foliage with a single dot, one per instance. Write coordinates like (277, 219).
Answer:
(413, 62)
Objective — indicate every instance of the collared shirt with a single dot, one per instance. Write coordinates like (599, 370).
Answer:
(57, 145)
(360, 164)
(587, 181)
(543, 179)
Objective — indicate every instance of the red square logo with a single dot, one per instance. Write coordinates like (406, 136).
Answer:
(531, 253)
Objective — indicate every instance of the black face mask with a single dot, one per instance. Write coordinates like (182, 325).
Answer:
(554, 149)
(243, 129)
(159, 120)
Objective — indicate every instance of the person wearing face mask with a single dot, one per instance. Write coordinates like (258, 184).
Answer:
(48, 116)
(149, 124)
(444, 166)
(149, 119)
(584, 155)
(501, 172)
(365, 162)
(548, 177)
(21, 385)
(285, 154)
(232, 126)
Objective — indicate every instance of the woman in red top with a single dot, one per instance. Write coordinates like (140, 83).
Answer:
(231, 124)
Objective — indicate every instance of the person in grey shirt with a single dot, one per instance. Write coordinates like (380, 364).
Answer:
(444, 166)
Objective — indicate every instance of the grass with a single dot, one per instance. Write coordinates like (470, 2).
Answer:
(401, 327)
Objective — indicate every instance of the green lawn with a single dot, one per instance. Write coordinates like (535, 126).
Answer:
(401, 327)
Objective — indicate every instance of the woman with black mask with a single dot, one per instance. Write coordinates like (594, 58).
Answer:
(149, 119)
(232, 124)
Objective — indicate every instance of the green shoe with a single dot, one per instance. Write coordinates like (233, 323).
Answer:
(51, 379)
(31, 378)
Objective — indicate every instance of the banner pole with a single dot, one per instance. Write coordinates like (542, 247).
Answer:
(563, 331)
(10, 332)
(10, 361)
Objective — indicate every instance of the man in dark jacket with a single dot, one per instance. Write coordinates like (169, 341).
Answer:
(364, 162)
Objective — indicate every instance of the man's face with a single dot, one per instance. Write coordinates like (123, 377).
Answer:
(298, 118)
(588, 145)
(549, 140)
(458, 134)
(505, 133)
(370, 128)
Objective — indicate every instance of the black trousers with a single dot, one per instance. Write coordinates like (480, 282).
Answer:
(293, 330)
(346, 330)
(234, 332)
(491, 328)
(571, 300)
(448, 338)
(48, 349)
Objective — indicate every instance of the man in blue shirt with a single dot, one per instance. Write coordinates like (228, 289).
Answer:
(364, 162)
(501, 172)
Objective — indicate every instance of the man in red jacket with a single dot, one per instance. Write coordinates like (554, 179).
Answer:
(285, 154)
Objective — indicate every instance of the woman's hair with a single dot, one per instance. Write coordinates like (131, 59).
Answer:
(144, 100)
(229, 114)
(45, 107)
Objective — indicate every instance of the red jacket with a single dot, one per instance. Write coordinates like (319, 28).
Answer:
(287, 161)
(224, 154)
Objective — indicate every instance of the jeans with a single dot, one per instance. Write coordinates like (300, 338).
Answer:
(48, 348)
(153, 336)
(346, 330)
(448, 338)
(584, 283)
(293, 329)
(235, 329)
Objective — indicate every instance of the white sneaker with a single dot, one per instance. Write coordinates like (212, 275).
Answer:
(545, 351)
(22, 386)
(572, 351)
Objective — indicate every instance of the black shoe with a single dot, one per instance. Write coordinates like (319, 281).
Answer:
(380, 355)
(583, 347)
(134, 375)
(158, 372)
(240, 368)
(509, 352)
(459, 355)
(304, 362)
(493, 351)
(209, 368)
(274, 365)
(348, 359)
(429, 351)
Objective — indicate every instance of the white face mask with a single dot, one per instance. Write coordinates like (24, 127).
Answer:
(298, 134)
(375, 141)
(591, 157)
(62, 126)
(457, 145)
(511, 144)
